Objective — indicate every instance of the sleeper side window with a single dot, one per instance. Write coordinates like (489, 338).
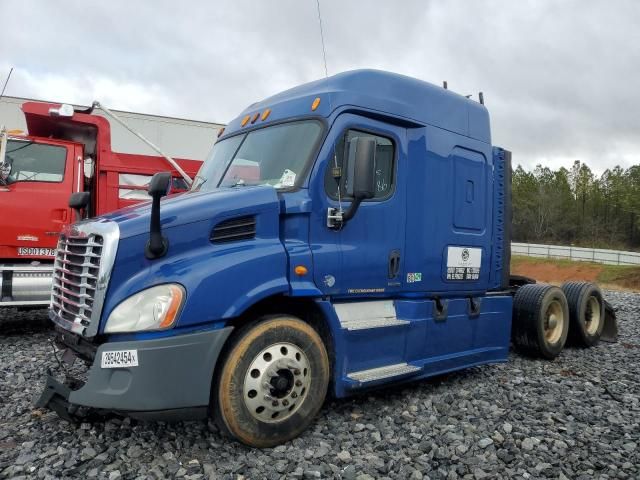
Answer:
(385, 156)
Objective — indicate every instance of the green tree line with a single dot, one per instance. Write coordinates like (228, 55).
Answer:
(577, 207)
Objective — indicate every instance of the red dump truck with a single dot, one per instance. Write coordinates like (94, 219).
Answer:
(65, 163)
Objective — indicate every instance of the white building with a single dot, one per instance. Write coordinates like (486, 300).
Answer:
(177, 137)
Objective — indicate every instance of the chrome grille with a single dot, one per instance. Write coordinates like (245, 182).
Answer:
(81, 272)
(75, 277)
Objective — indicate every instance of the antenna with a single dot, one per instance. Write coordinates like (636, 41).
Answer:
(444, 85)
(3, 138)
(324, 53)
(6, 82)
(337, 171)
(481, 97)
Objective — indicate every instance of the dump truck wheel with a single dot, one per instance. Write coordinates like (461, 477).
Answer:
(540, 320)
(272, 383)
(586, 313)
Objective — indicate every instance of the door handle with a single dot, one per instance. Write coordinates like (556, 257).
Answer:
(394, 264)
(59, 215)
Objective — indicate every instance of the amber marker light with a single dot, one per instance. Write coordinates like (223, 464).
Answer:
(244, 121)
(174, 306)
(255, 117)
(266, 114)
(220, 132)
(315, 104)
(15, 132)
(301, 270)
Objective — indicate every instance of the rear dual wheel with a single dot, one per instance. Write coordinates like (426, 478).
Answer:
(540, 320)
(586, 313)
(272, 382)
(545, 317)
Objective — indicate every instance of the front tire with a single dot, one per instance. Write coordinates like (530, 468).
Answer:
(272, 382)
(540, 320)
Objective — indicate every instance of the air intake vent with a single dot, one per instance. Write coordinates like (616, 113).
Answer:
(234, 230)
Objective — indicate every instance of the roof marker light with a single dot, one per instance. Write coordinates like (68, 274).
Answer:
(220, 132)
(315, 104)
(265, 114)
(255, 117)
(245, 120)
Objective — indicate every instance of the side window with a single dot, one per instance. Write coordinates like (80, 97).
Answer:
(385, 156)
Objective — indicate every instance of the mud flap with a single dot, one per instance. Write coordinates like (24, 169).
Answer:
(610, 328)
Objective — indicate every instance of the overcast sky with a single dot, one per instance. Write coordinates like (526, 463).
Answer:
(561, 78)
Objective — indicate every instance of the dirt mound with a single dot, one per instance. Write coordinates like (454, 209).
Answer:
(557, 273)
(617, 277)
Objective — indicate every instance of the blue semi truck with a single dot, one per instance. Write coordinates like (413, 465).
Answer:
(342, 235)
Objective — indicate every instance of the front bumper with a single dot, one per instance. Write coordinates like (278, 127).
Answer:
(23, 285)
(172, 379)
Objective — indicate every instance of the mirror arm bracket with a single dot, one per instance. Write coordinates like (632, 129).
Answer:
(336, 219)
(348, 215)
(158, 244)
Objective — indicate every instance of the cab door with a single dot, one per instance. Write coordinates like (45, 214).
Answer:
(365, 256)
(34, 198)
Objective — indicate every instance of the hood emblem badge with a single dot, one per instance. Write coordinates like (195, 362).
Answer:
(329, 280)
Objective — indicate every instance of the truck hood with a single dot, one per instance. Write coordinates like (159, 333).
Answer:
(182, 209)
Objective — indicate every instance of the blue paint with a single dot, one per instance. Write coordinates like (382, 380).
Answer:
(448, 190)
(407, 99)
(221, 280)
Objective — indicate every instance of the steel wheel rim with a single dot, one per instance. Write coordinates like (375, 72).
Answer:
(592, 315)
(276, 382)
(553, 322)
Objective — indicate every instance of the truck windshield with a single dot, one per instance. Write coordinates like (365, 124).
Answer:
(275, 155)
(26, 161)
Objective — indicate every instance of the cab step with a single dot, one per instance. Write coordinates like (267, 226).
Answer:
(381, 373)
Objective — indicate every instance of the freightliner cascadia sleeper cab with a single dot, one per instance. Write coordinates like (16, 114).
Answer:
(342, 235)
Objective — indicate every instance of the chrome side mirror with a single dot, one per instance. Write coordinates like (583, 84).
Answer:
(89, 168)
(65, 110)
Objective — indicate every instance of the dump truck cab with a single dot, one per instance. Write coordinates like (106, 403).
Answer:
(66, 152)
(342, 235)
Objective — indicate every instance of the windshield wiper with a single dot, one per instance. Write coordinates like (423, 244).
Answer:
(21, 147)
(202, 182)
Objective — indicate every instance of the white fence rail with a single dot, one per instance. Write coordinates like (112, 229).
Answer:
(596, 255)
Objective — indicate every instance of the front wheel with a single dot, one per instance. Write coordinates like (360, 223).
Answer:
(272, 383)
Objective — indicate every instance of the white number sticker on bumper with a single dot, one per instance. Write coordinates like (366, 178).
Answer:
(41, 252)
(119, 359)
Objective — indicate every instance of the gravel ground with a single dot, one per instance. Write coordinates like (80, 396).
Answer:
(576, 417)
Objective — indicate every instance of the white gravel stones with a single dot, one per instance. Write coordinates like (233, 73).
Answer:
(527, 444)
(485, 442)
(577, 417)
